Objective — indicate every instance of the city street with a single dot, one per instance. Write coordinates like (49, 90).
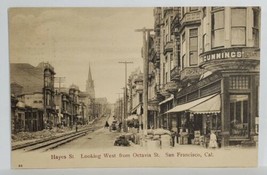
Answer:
(100, 138)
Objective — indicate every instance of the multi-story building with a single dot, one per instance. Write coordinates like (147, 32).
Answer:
(33, 88)
(214, 75)
(74, 96)
(166, 47)
(135, 83)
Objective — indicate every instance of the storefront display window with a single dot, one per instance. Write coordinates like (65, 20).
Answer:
(239, 113)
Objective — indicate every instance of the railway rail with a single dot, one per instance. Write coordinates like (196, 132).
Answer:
(52, 142)
(55, 141)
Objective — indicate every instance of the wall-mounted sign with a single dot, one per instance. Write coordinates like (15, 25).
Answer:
(230, 54)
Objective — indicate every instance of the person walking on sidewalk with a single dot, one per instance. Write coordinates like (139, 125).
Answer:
(173, 134)
(76, 127)
(213, 140)
(106, 125)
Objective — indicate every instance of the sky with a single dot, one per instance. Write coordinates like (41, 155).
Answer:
(72, 38)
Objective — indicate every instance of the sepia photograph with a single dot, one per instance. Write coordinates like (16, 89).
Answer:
(134, 86)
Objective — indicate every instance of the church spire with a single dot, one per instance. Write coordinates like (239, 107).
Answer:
(89, 78)
(90, 87)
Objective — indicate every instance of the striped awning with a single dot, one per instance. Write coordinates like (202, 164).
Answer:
(212, 105)
(189, 105)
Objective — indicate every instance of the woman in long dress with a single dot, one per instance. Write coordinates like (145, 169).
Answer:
(213, 140)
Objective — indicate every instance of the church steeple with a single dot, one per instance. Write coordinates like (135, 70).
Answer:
(90, 87)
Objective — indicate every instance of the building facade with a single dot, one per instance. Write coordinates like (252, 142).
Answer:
(210, 77)
(32, 88)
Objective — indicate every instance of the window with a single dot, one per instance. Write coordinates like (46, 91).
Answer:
(179, 60)
(239, 82)
(217, 29)
(166, 79)
(140, 98)
(204, 12)
(164, 41)
(163, 73)
(255, 28)
(183, 11)
(167, 30)
(239, 115)
(171, 62)
(204, 41)
(238, 23)
(193, 47)
(183, 63)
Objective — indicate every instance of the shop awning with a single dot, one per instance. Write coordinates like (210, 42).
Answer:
(187, 106)
(212, 105)
(166, 100)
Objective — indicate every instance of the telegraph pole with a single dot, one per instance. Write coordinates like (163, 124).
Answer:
(125, 91)
(146, 35)
(120, 109)
(59, 80)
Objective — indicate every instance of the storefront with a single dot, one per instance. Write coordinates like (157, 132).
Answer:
(225, 103)
(165, 119)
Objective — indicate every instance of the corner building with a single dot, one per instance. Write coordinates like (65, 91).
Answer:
(215, 70)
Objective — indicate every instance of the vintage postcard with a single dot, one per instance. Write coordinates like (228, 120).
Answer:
(134, 87)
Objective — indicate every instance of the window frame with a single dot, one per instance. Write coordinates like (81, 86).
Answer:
(256, 27)
(239, 27)
(193, 51)
(213, 30)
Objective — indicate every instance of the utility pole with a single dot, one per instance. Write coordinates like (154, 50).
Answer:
(59, 80)
(125, 91)
(120, 109)
(146, 36)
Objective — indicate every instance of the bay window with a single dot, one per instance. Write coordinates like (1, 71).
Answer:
(193, 47)
(255, 28)
(217, 28)
(238, 23)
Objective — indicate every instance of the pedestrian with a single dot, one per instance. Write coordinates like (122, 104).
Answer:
(213, 140)
(106, 125)
(76, 128)
(173, 134)
(120, 124)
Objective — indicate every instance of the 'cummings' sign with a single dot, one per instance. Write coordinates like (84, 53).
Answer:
(229, 54)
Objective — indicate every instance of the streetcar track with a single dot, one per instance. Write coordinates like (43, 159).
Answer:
(46, 144)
